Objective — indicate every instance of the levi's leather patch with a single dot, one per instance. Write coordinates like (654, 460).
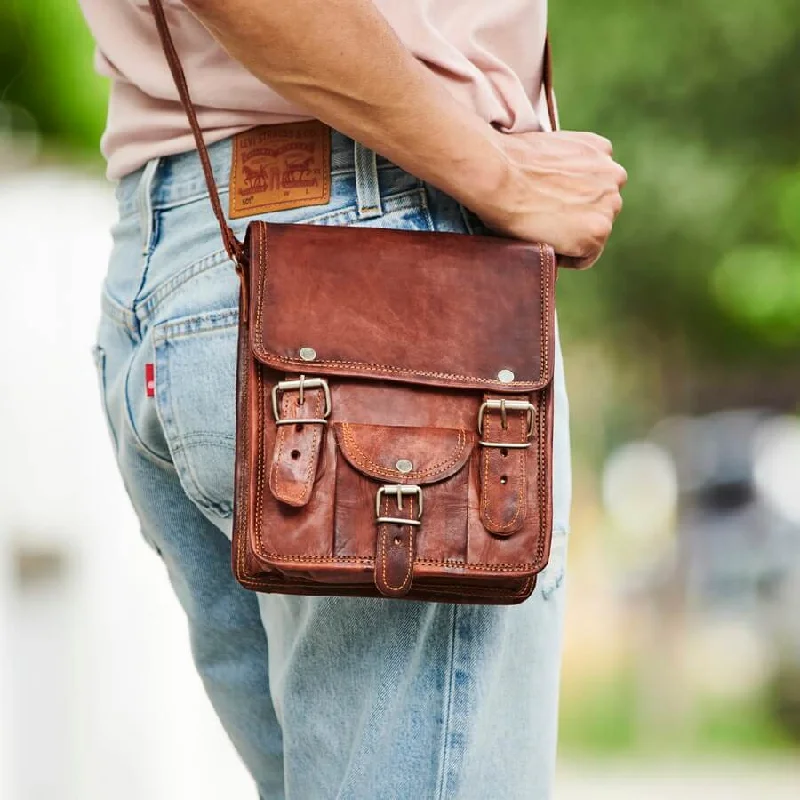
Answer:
(277, 167)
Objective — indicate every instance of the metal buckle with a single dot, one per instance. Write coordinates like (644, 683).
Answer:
(504, 406)
(399, 491)
(301, 384)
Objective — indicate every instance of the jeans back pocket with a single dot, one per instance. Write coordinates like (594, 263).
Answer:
(196, 400)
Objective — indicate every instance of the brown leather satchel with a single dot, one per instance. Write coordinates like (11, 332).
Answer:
(394, 407)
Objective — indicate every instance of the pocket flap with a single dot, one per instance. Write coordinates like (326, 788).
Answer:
(443, 309)
(404, 455)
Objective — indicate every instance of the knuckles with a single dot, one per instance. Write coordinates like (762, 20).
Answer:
(598, 230)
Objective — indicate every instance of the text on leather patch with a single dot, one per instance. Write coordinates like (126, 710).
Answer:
(277, 167)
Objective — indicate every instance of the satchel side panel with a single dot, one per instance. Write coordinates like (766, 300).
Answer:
(242, 561)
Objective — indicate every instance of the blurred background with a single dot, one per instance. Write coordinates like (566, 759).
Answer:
(682, 661)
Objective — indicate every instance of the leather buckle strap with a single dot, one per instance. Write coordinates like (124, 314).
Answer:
(506, 426)
(399, 491)
(504, 406)
(302, 385)
(394, 559)
(301, 408)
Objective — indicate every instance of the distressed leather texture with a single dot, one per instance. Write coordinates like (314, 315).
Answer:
(410, 332)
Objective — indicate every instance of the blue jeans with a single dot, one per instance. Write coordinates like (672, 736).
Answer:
(364, 699)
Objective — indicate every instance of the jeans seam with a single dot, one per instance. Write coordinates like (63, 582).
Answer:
(547, 588)
(134, 437)
(224, 188)
(178, 449)
(425, 206)
(465, 217)
(99, 357)
(389, 198)
(147, 305)
(444, 760)
(119, 314)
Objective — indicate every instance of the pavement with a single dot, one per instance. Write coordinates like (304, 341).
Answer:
(723, 780)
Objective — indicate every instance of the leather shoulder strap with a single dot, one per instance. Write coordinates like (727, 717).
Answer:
(232, 245)
(547, 81)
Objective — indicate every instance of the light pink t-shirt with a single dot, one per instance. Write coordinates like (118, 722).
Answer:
(488, 52)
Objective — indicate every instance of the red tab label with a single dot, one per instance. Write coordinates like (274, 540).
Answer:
(150, 379)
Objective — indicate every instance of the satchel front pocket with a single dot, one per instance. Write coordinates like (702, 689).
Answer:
(388, 473)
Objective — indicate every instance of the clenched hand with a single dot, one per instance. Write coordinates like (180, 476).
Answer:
(562, 188)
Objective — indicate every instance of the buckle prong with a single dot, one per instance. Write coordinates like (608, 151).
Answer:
(301, 385)
(504, 406)
(399, 491)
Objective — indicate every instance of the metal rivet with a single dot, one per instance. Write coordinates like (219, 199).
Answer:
(505, 376)
(308, 353)
(404, 465)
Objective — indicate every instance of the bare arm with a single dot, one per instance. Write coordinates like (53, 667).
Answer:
(341, 60)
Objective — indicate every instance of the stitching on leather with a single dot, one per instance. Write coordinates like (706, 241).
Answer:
(265, 583)
(242, 508)
(544, 258)
(521, 479)
(474, 592)
(260, 428)
(384, 534)
(543, 532)
(545, 535)
(312, 461)
(367, 463)
(358, 365)
(275, 473)
(277, 459)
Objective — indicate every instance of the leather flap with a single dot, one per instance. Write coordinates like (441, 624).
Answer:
(423, 455)
(441, 309)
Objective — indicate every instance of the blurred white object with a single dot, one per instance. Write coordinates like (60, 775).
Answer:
(727, 659)
(776, 467)
(99, 696)
(640, 492)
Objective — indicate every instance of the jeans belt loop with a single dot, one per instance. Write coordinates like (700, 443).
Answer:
(368, 191)
(145, 203)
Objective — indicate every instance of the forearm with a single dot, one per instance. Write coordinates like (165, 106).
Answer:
(340, 60)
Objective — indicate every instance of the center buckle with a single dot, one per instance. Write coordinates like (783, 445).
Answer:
(504, 406)
(301, 385)
(399, 491)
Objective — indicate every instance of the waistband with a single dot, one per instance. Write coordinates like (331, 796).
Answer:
(179, 178)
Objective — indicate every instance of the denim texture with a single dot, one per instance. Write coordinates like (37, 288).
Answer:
(324, 698)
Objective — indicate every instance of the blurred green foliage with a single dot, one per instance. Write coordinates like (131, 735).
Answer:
(702, 101)
(605, 718)
(47, 80)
